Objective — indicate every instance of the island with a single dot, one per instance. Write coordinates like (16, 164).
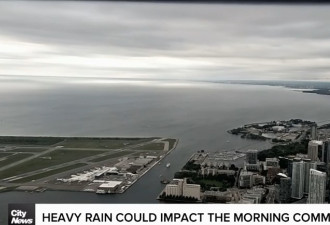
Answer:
(93, 164)
(315, 87)
(284, 131)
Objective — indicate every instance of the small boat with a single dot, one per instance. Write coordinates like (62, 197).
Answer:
(168, 165)
(164, 181)
(99, 191)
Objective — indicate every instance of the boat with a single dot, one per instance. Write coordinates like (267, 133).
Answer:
(168, 165)
(164, 181)
(100, 191)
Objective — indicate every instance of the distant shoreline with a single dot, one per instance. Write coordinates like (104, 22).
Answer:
(313, 87)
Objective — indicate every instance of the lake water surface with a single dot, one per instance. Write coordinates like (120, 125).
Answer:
(198, 113)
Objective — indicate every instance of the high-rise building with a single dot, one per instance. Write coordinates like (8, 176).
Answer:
(252, 156)
(284, 189)
(315, 150)
(326, 153)
(321, 166)
(290, 164)
(314, 132)
(308, 166)
(298, 180)
(317, 187)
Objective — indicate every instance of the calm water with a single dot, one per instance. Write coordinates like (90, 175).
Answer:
(199, 114)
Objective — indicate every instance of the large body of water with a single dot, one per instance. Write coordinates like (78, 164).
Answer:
(198, 113)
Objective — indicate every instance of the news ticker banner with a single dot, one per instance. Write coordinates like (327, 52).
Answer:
(102, 214)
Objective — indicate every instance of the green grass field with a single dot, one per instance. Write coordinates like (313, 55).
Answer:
(152, 146)
(73, 148)
(57, 157)
(18, 140)
(102, 143)
(171, 141)
(28, 150)
(49, 173)
(4, 154)
(115, 155)
(14, 158)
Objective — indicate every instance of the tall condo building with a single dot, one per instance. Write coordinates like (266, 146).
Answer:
(284, 189)
(308, 166)
(317, 187)
(315, 150)
(314, 132)
(298, 179)
(326, 153)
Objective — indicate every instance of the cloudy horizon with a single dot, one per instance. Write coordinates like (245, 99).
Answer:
(165, 41)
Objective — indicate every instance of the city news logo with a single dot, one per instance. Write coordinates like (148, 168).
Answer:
(21, 214)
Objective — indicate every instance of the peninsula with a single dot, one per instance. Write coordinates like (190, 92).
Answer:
(277, 131)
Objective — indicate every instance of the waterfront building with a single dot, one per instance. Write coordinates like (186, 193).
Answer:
(252, 156)
(298, 180)
(191, 190)
(308, 166)
(108, 187)
(174, 188)
(180, 187)
(317, 187)
(315, 150)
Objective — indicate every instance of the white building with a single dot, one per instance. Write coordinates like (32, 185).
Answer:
(109, 187)
(179, 187)
(191, 190)
(317, 187)
(175, 188)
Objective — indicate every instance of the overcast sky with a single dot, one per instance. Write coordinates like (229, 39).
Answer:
(149, 40)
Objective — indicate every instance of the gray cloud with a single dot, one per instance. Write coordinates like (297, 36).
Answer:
(195, 41)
